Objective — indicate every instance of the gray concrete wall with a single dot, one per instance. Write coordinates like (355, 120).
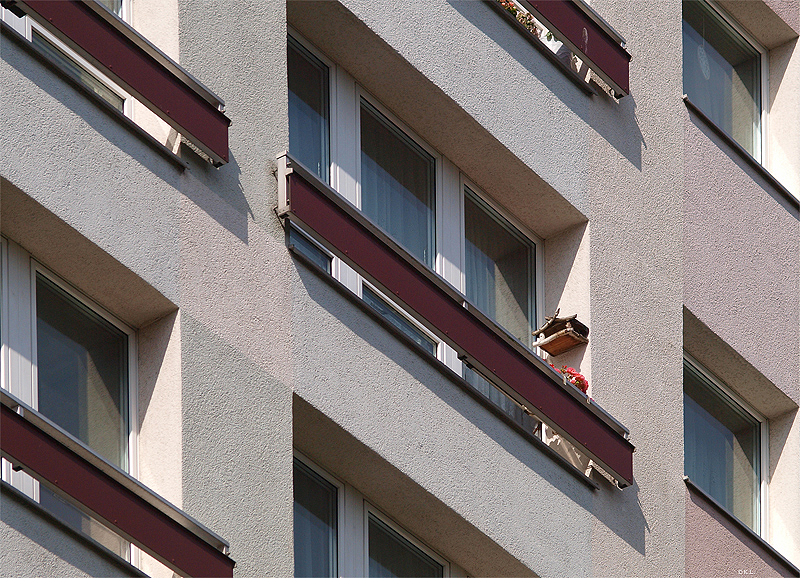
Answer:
(261, 342)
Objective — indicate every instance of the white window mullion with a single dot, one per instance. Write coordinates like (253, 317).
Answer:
(346, 163)
(353, 563)
(450, 243)
(18, 345)
(19, 341)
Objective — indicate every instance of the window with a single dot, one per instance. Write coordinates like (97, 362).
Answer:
(390, 554)
(68, 60)
(416, 196)
(315, 523)
(75, 364)
(722, 73)
(397, 183)
(724, 451)
(309, 135)
(498, 267)
(321, 548)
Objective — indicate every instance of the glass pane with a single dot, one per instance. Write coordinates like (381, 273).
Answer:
(721, 447)
(74, 69)
(396, 319)
(82, 363)
(310, 250)
(722, 74)
(493, 394)
(397, 184)
(315, 524)
(114, 6)
(82, 523)
(392, 555)
(498, 268)
(308, 109)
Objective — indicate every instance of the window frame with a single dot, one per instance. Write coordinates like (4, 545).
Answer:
(536, 277)
(363, 95)
(352, 532)
(763, 132)
(370, 510)
(26, 291)
(345, 95)
(298, 456)
(763, 439)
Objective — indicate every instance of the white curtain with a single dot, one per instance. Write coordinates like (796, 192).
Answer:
(397, 186)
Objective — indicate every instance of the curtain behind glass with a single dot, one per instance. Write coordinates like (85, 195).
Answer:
(315, 525)
(82, 363)
(397, 184)
(309, 135)
(391, 555)
(722, 74)
(497, 268)
(721, 448)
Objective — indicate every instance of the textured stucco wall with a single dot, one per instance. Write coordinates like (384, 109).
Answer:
(741, 258)
(742, 278)
(783, 128)
(256, 327)
(715, 546)
(81, 164)
(636, 292)
(237, 460)
(355, 372)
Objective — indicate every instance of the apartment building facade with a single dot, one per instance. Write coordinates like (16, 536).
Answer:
(271, 275)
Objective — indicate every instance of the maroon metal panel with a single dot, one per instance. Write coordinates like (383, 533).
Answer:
(136, 70)
(155, 532)
(589, 38)
(433, 304)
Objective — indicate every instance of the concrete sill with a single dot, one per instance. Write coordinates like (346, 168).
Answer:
(695, 489)
(746, 156)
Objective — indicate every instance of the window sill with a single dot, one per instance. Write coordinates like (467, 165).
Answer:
(746, 156)
(131, 126)
(694, 489)
(525, 432)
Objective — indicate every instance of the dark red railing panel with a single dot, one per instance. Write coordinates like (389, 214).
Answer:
(153, 531)
(138, 72)
(456, 324)
(590, 40)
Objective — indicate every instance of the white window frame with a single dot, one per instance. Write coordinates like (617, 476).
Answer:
(370, 510)
(26, 25)
(20, 270)
(340, 503)
(763, 494)
(536, 301)
(763, 135)
(345, 96)
(352, 532)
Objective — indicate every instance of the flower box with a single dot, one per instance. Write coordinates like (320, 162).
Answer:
(561, 334)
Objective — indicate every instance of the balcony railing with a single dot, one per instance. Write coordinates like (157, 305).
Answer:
(322, 213)
(575, 24)
(34, 444)
(137, 66)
